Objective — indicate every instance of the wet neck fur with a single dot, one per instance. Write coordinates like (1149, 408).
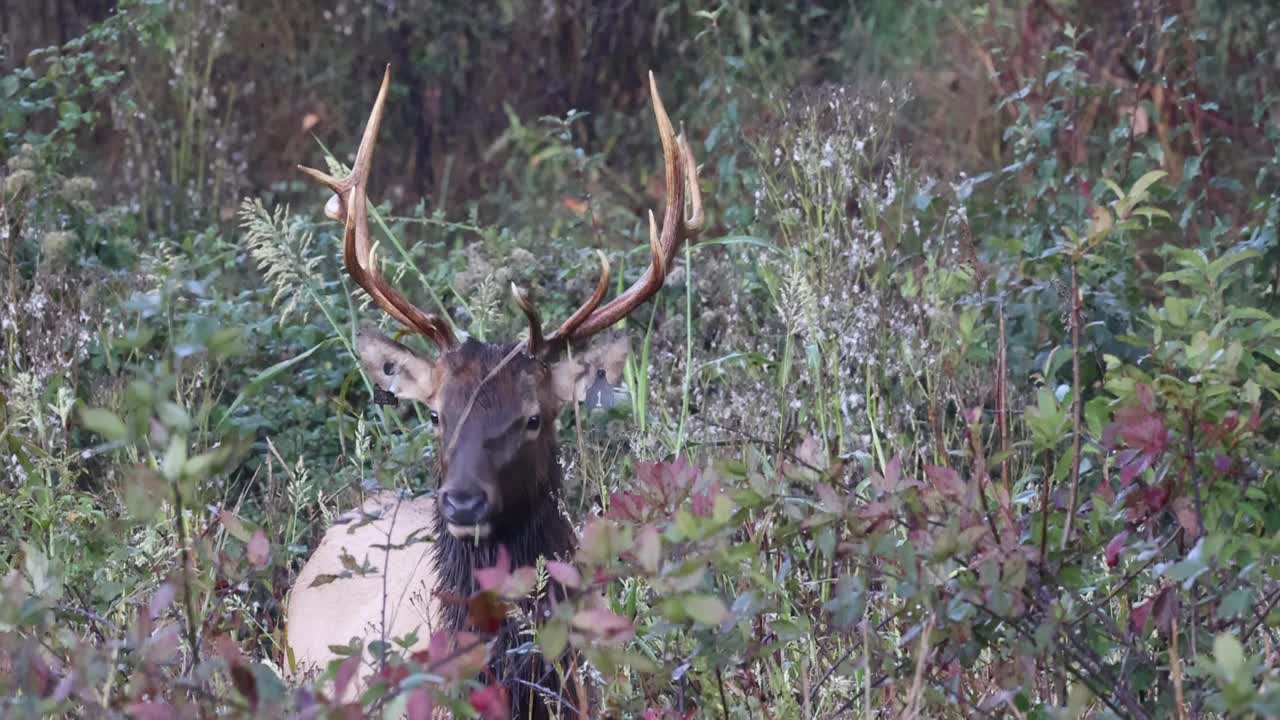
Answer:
(542, 531)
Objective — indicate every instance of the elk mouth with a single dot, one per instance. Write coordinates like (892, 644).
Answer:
(478, 531)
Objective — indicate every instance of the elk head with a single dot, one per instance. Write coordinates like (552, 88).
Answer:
(494, 407)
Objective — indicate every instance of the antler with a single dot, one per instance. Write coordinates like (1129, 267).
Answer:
(682, 177)
(348, 205)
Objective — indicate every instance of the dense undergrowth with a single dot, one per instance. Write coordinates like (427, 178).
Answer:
(964, 405)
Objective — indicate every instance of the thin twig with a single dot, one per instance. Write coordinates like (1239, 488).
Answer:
(1261, 615)
(386, 571)
(1075, 401)
(917, 682)
(1002, 404)
(193, 636)
(724, 704)
(1191, 468)
(1127, 578)
(1175, 669)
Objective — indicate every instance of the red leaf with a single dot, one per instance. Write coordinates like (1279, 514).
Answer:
(151, 711)
(889, 483)
(491, 702)
(876, 514)
(1106, 493)
(574, 205)
(259, 549)
(1222, 463)
(1146, 397)
(161, 600)
(648, 549)
(626, 506)
(41, 676)
(564, 573)
(605, 626)
(703, 503)
(346, 671)
(486, 611)
(420, 705)
(830, 500)
(946, 480)
(227, 649)
(1165, 607)
(455, 655)
(492, 577)
(1185, 510)
(162, 646)
(393, 673)
(348, 711)
(242, 677)
(1146, 432)
(1115, 547)
(1138, 618)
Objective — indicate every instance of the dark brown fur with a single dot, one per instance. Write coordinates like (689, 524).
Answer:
(530, 521)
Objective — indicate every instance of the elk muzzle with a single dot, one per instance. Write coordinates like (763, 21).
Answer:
(467, 502)
(467, 511)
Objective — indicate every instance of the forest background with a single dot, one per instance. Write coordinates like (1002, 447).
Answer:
(964, 405)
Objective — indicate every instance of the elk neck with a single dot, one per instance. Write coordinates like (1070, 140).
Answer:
(538, 530)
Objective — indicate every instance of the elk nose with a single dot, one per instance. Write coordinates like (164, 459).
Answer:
(464, 506)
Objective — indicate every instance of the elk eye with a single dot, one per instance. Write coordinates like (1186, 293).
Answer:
(533, 423)
(435, 418)
(388, 368)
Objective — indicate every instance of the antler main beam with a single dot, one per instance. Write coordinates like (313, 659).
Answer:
(349, 206)
(682, 183)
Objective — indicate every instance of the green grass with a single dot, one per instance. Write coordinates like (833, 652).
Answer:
(813, 510)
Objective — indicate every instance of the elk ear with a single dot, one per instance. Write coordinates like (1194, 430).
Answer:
(594, 375)
(395, 368)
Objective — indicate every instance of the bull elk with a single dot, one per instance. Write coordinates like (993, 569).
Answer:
(493, 409)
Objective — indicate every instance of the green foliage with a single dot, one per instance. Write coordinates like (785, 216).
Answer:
(922, 427)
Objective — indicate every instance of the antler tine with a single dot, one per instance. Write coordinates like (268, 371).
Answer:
(530, 311)
(351, 194)
(681, 174)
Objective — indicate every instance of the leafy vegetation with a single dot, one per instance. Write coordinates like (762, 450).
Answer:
(964, 406)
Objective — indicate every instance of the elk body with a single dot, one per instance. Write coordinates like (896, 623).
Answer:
(493, 409)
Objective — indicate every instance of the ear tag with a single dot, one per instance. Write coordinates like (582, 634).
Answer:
(601, 394)
(382, 397)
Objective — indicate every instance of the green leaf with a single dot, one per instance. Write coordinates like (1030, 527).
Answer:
(1175, 311)
(41, 573)
(173, 416)
(553, 637)
(648, 549)
(143, 493)
(791, 629)
(105, 423)
(69, 110)
(1228, 654)
(255, 385)
(199, 467)
(706, 609)
(1222, 264)
(174, 458)
(226, 342)
(1138, 192)
(1234, 604)
(849, 602)
(1114, 188)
